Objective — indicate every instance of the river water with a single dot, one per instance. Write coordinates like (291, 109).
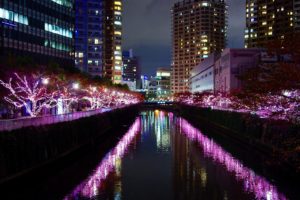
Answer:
(164, 157)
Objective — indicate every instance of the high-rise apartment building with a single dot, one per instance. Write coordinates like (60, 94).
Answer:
(199, 28)
(113, 40)
(40, 30)
(268, 20)
(98, 33)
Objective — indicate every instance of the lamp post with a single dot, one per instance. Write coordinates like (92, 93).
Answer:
(76, 86)
(45, 81)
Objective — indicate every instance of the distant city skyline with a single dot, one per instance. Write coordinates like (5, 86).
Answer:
(147, 30)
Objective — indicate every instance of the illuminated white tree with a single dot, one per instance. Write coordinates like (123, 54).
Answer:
(29, 92)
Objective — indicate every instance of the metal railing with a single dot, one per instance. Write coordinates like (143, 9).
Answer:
(13, 124)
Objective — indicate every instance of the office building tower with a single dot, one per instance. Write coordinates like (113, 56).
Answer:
(159, 87)
(163, 75)
(199, 28)
(39, 30)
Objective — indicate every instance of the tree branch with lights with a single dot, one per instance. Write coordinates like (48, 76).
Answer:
(29, 92)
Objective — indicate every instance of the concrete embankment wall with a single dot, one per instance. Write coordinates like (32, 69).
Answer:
(277, 138)
(24, 150)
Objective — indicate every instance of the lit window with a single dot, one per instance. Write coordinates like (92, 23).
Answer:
(118, 13)
(118, 33)
(118, 57)
(118, 3)
(67, 3)
(205, 4)
(118, 8)
(118, 48)
(118, 53)
(118, 68)
(58, 30)
(12, 16)
(118, 23)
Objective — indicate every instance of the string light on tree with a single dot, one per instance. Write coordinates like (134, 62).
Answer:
(29, 92)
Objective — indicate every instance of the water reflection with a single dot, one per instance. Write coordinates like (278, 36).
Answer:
(112, 161)
(162, 131)
(171, 160)
(253, 183)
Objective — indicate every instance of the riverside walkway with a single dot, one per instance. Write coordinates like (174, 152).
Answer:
(13, 124)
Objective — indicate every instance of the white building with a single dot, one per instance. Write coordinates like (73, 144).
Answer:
(220, 73)
(231, 64)
(202, 76)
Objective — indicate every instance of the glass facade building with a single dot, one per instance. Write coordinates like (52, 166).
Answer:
(39, 29)
(98, 38)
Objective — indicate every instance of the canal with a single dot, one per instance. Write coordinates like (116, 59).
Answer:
(160, 156)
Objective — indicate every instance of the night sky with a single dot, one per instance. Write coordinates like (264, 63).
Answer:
(147, 30)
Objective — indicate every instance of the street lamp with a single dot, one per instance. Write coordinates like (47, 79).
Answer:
(75, 86)
(45, 81)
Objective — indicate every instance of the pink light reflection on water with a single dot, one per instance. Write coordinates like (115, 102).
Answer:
(90, 187)
(259, 186)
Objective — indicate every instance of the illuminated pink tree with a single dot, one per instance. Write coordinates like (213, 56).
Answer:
(107, 97)
(93, 97)
(35, 93)
(284, 106)
(29, 92)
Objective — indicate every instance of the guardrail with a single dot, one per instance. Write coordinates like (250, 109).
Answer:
(12, 124)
